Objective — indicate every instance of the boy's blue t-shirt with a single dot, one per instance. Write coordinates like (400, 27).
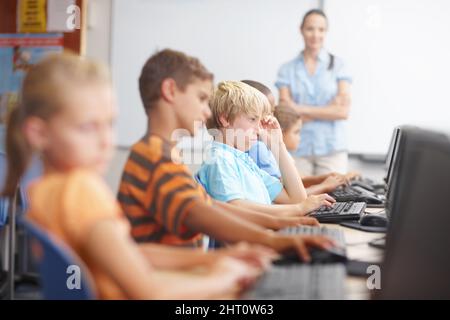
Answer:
(230, 174)
(264, 159)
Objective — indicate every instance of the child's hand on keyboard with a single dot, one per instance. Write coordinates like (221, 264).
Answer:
(314, 202)
(301, 244)
(308, 221)
(234, 274)
(333, 181)
(255, 255)
(352, 175)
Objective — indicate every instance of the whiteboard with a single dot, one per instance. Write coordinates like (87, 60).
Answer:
(398, 52)
(234, 39)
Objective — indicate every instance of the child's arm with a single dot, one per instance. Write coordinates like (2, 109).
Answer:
(293, 191)
(328, 185)
(226, 227)
(224, 280)
(109, 245)
(167, 257)
(288, 210)
(266, 220)
(309, 181)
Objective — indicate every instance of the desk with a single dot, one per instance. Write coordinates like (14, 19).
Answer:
(359, 249)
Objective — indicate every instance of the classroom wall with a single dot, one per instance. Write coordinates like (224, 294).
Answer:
(98, 44)
(399, 55)
(235, 39)
(396, 50)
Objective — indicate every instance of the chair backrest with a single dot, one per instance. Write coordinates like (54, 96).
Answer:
(34, 171)
(63, 275)
(3, 201)
(3, 211)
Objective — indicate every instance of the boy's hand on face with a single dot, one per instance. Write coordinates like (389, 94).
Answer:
(314, 202)
(270, 132)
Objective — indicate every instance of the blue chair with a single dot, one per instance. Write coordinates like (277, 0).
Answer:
(56, 262)
(9, 210)
(3, 201)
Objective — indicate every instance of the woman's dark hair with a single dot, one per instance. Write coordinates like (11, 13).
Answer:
(322, 14)
(311, 12)
(331, 64)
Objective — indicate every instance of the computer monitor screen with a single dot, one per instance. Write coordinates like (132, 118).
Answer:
(417, 260)
(392, 152)
(395, 159)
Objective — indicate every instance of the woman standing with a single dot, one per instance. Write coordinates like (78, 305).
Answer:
(318, 85)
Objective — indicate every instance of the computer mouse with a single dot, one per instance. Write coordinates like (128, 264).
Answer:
(373, 220)
(318, 256)
(372, 200)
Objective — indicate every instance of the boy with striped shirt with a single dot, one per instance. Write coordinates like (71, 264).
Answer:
(159, 195)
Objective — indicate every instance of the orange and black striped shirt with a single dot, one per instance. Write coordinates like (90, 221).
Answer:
(156, 194)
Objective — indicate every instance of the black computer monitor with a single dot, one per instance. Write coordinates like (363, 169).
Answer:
(417, 259)
(394, 159)
(392, 152)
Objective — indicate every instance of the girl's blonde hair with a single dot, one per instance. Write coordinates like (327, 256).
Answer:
(233, 98)
(41, 96)
(287, 116)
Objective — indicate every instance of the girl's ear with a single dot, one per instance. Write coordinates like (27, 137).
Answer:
(168, 89)
(36, 132)
(224, 122)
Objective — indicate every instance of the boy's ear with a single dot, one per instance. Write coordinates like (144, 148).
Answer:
(36, 132)
(168, 89)
(223, 122)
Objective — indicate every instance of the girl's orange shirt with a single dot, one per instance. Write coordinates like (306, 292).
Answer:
(68, 206)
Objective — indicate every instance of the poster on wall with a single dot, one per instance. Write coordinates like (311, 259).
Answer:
(31, 16)
(18, 52)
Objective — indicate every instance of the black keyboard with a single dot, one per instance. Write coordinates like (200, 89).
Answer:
(300, 282)
(334, 233)
(339, 212)
(346, 192)
(355, 193)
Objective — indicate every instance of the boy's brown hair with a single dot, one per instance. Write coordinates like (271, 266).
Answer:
(287, 116)
(168, 64)
(263, 89)
(258, 86)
